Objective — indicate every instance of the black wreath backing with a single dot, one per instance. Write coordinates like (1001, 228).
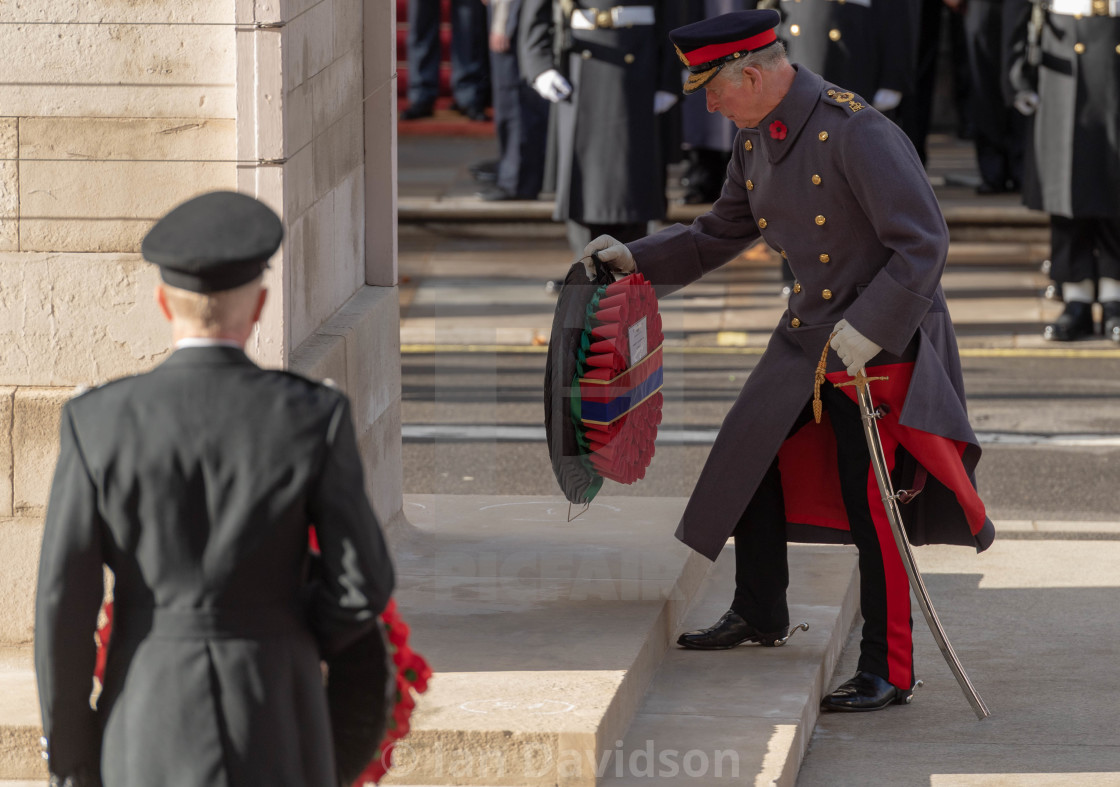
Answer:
(578, 480)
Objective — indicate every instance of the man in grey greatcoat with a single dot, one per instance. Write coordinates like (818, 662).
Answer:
(1066, 73)
(837, 189)
(196, 484)
(609, 74)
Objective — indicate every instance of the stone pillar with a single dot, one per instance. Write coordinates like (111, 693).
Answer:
(111, 114)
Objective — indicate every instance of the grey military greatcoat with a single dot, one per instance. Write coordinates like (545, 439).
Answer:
(837, 189)
(196, 484)
(1076, 147)
(610, 153)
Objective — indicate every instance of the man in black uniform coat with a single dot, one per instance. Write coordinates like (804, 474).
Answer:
(196, 484)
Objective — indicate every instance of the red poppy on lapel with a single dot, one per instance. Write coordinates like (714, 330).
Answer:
(778, 130)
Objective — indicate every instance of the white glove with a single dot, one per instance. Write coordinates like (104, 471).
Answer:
(854, 349)
(886, 99)
(1026, 101)
(612, 253)
(552, 85)
(663, 101)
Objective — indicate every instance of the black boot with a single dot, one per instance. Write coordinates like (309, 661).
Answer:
(729, 631)
(1110, 320)
(1075, 322)
(866, 691)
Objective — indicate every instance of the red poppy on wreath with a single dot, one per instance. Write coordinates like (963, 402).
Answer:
(778, 130)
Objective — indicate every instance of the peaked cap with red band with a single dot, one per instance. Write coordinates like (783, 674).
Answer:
(707, 46)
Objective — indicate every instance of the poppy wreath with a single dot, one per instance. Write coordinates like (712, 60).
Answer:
(616, 392)
(413, 673)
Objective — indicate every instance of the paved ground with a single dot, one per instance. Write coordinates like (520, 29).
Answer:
(1032, 618)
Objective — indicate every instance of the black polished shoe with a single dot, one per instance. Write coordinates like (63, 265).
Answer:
(484, 171)
(421, 109)
(729, 631)
(496, 194)
(1074, 323)
(865, 692)
(1110, 320)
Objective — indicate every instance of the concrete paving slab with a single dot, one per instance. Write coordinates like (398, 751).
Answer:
(1034, 625)
(744, 715)
(19, 717)
(543, 633)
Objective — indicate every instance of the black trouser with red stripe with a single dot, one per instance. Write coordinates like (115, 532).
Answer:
(762, 572)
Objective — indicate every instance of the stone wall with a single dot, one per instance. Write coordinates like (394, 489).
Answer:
(113, 112)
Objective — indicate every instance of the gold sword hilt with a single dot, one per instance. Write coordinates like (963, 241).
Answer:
(860, 381)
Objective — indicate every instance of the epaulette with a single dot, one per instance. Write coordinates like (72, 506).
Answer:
(843, 98)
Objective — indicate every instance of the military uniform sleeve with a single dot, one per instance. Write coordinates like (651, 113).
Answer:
(681, 254)
(69, 595)
(534, 38)
(891, 187)
(357, 573)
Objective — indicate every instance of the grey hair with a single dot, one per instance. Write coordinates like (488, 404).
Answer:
(766, 59)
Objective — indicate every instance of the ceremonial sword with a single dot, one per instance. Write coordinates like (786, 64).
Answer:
(870, 414)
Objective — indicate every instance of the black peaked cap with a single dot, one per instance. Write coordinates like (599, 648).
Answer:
(214, 242)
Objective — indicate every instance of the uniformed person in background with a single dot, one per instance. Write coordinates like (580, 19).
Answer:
(609, 74)
(998, 131)
(196, 484)
(868, 46)
(837, 188)
(1066, 73)
(520, 115)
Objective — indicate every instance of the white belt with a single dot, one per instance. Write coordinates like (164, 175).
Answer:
(1082, 7)
(619, 16)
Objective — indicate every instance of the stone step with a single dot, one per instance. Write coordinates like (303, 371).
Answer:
(543, 633)
(458, 208)
(742, 716)
(19, 719)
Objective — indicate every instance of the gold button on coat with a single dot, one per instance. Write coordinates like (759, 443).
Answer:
(586, 54)
(796, 323)
(1079, 48)
(820, 220)
(762, 224)
(823, 136)
(825, 258)
(796, 287)
(629, 58)
(826, 294)
(750, 185)
(1118, 49)
(795, 30)
(748, 145)
(816, 180)
(834, 34)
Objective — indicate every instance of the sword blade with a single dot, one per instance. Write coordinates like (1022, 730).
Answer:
(894, 516)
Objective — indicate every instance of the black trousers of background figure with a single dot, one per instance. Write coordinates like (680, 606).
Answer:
(762, 570)
(999, 128)
(1086, 248)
